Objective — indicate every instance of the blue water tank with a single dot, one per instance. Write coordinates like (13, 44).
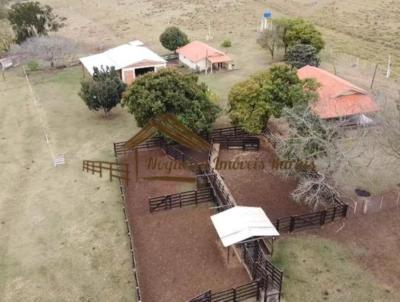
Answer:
(267, 14)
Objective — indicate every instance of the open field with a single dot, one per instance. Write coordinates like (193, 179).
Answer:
(63, 237)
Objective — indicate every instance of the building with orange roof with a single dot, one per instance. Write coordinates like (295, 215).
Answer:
(202, 57)
(338, 98)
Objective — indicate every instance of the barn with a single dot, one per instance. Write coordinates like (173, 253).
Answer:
(202, 57)
(131, 60)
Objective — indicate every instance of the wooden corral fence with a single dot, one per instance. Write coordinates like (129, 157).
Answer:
(261, 269)
(226, 132)
(223, 198)
(179, 200)
(241, 293)
(151, 144)
(226, 135)
(111, 169)
(138, 296)
(312, 220)
(244, 143)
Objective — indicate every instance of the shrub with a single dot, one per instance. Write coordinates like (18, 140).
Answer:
(227, 43)
(33, 65)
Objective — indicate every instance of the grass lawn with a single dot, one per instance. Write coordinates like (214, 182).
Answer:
(62, 232)
(317, 269)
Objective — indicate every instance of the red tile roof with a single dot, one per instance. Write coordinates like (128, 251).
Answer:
(196, 51)
(337, 97)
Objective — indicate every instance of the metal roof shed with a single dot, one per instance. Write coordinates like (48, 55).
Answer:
(240, 224)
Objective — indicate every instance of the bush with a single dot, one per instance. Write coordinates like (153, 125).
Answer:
(227, 43)
(33, 65)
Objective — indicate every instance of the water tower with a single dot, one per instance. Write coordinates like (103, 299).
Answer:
(266, 20)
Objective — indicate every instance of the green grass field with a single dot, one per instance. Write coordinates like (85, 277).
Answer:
(317, 270)
(63, 235)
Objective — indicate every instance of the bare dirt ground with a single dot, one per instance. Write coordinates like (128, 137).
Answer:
(374, 241)
(178, 251)
(261, 188)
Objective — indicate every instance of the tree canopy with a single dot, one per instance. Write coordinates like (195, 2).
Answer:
(173, 38)
(300, 55)
(103, 91)
(29, 19)
(299, 31)
(253, 101)
(169, 91)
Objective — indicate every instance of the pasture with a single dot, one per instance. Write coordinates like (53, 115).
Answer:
(62, 233)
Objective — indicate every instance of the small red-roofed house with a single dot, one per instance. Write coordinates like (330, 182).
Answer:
(202, 57)
(338, 98)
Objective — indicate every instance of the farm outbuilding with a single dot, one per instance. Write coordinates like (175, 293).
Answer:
(131, 60)
(202, 57)
(338, 98)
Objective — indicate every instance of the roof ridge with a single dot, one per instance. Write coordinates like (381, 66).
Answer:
(339, 79)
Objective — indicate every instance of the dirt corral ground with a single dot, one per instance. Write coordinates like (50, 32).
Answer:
(178, 251)
(261, 187)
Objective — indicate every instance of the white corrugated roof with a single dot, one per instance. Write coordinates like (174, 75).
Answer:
(240, 223)
(121, 56)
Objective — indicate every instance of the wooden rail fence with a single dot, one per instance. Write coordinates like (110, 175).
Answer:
(241, 293)
(312, 220)
(112, 169)
(179, 200)
(244, 143)
(230, 137)
(261, 268)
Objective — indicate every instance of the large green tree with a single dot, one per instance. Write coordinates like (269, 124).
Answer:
(169, 91)
(103, 91)
(29, 19)
(173, 38)
(253, 101)
(299, 31)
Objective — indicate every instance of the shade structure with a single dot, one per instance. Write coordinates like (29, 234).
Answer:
(239, 224)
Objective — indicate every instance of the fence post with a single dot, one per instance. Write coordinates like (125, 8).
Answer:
(180, 200)
(277, 224)
(234, 294)
(111, 172)
(195, 197)
(292, 223)
(345, 208)
(101, 169)
(322, 218)
(334, 213)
